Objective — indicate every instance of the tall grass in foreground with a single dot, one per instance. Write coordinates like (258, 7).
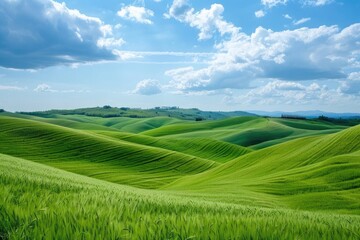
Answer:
(40, 202)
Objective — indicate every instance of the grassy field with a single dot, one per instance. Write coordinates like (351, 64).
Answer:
(96, 155)
(312, 173)
(43, 202)
(83, 177)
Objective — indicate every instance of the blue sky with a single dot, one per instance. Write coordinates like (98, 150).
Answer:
(214, 55)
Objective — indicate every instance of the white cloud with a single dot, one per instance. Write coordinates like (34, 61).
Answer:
(47, 88)
(207, 21)
(273, 3)
(166, 57)
(324, 52)
(41, 33)
(301, 21)
(284, 92)
(110, 43)
(123, 55)
(136, 14)
(106, 30)
(44, 88)
(287, 16)
(317, 2)
(351, 85)
(259, 14)
(147, 87)
(179, 9)
(354, 76)
(10, 88)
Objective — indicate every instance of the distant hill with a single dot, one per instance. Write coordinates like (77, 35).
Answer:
(308, 114)
(174, 112)
(193, 114)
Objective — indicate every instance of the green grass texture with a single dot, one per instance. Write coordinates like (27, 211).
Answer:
(312, 173)
(83, 177)
(96, 155)
(41, 202)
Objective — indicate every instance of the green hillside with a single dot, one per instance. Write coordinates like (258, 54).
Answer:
(65, 176)
(134, 125)
(321, 173)
(218, 151)
(41, 202)
(95, 155)
(254, 132)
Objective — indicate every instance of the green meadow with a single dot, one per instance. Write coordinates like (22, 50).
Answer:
(80, 175)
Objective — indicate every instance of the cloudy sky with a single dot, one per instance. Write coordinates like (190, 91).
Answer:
(214, 55)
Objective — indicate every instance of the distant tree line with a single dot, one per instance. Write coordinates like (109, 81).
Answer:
(342, 121)
(166, 108)
(292, 116)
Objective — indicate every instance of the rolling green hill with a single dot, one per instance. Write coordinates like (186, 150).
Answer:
(173, 112)
(254, 132)
(321, 173)
(41, 202)
(134, 125)
(218, 151)
(95, 155)
(65, 176)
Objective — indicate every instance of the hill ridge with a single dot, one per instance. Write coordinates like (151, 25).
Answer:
(49, 144)
(282, 173)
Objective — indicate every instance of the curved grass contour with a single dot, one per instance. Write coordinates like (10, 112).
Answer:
(95, 155)
(313, 173)
(41, 202)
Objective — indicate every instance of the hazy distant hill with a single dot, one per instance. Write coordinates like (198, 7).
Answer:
(308, 114)
(175, 112)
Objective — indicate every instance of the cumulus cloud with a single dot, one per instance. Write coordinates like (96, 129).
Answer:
(210, 20)
(147, 87)
(44, 88)
(259, 14)
(212, 78)
(179, 10)
(301, 21)
(351, 85)
(318, 53)
(136, 14)
(273, 3)
(283, 92)
(317, 2)
(41, 33)
(207, 21)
